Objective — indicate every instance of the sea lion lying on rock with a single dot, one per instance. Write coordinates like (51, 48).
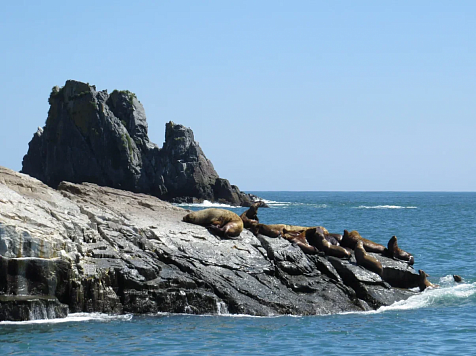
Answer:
(250, 216)
(334, 239)
(319, 240)
(224, 223)
(393, 251)
(350, 239)
(289, 234)
(313, 238)
(365, 260)
(276, 230)
(304, 246)
(424, 283)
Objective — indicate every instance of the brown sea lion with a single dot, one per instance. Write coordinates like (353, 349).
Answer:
(394, 251)
(250, 216)
(350, 239)
(299, 239)
(334, 239)
(315, 237)
(304, 246)
(424, 283)
(300, 230)
(276, 230)
(224, 223)
(330, 249)
(365, 260)
(457, 278)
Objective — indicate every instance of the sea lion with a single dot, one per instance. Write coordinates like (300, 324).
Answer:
(315, 237)
(224, 223)
(330, 249)
(250, 216)
(333, 238)
(276, 230)
(457, 278)
(299, 239)
(394, 251)
(304, 246)
(365, 260)
(424, 283)
(350, 239)
(301, 230)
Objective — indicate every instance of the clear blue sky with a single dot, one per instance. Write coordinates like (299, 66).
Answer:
(281, 95)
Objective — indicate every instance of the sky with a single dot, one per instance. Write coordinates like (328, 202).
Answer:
(281, 95)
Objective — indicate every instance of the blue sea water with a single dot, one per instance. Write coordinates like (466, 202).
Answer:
(438, 228)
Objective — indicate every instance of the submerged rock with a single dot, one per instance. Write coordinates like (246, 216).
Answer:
(99, 249)
(91, 136)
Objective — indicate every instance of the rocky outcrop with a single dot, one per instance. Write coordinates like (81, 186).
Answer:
(88, 248)
(91, 136)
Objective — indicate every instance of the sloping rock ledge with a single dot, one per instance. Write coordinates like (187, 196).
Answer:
(86, 248)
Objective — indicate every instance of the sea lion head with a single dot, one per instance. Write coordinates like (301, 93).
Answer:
(423, 274)
(254, 207)
(392, 241)
(311, 236)
(310, 232)
(189, 218)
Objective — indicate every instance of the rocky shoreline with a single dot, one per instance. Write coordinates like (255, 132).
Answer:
(90, 248)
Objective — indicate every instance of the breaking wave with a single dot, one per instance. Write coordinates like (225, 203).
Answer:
(448, 294)
(207, 204)
(385, 207)
(285, 204)
(74, 317)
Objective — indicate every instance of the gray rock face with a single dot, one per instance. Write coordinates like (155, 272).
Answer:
(91, 136)
(88, 248)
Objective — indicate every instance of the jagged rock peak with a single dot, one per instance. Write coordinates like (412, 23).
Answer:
(92, 136)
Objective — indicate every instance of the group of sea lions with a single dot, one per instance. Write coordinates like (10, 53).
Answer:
(311, 240)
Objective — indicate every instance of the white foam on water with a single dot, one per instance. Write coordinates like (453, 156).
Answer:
(385, 207)
(432, 296)
(429, 297)
(74, 317)
(274, 203)
(207, 204)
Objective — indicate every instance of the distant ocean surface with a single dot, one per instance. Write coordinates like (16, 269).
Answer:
(437, 228)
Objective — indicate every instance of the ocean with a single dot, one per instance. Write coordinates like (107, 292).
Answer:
(437, 228)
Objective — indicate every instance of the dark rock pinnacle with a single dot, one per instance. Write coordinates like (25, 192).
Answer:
(92, 136)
